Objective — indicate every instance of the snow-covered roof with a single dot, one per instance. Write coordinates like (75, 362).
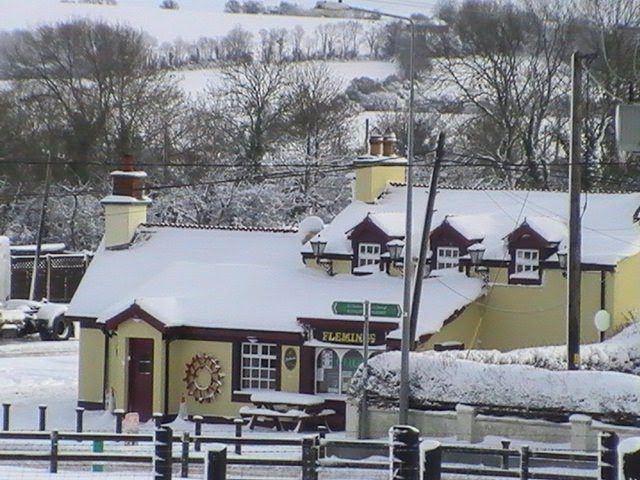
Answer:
(252, 280)
(609, 232)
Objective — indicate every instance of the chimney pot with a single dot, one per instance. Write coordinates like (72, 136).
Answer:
(375, 145)
(127, 162)
(389, 144)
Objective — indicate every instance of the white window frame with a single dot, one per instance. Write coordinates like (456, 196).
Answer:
(340, 352)
(527, 260)
(256, 375)
(369, 254)
(447, 257)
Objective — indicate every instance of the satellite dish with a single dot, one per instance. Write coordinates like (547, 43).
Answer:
(602, 320)
(309, 227)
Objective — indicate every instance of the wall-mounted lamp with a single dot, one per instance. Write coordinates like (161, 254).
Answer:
(395, 248)
(318, 246)
(476, 253)
(562, 259)
(602, 321)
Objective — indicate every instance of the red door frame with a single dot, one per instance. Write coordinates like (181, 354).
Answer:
(140, 377)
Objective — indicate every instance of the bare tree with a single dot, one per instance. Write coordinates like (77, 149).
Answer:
(93, 80)
(236, 45)
(509, 65)
(256, 102)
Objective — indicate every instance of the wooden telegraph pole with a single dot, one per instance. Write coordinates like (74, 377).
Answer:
(574, 273)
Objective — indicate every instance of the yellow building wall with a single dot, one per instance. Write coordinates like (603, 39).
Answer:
(117, 375)
(339, 266)
(371, 181)
(463, 329)
(91, 365)
(181, 352)
(121, 221)
(289, 379)
(626, 292)
(517, 316)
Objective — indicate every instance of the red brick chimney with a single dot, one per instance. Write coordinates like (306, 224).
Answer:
(127, 181)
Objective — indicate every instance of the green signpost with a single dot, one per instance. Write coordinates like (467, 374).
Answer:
(365, 309)
(391, 310)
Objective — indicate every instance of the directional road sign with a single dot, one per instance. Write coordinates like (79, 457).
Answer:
(376, 309)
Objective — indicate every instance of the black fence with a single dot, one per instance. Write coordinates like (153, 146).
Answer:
(312, 456)
(58, 275)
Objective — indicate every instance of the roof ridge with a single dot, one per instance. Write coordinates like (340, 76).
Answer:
(513, 189)
(198, 226)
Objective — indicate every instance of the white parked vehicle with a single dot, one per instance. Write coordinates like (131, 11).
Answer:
(44, 318)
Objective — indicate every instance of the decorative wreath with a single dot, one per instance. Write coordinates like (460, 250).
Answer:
(203, 377)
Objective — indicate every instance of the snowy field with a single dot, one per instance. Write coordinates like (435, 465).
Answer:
(194, 19)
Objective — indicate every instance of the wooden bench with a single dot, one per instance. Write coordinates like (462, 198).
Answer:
(282, 409)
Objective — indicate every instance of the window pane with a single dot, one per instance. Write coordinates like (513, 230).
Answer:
(350, 363)
(258, 366)
(327, 372)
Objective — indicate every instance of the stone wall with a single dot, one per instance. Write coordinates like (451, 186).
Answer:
(464, 424)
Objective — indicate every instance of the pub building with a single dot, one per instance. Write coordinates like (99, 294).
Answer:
(209, 315)
(215, 316)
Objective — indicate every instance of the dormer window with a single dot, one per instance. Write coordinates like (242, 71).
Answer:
(368, 254)
(447, 257)
(527, 264)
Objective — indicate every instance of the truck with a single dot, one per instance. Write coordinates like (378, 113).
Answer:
(28, 317)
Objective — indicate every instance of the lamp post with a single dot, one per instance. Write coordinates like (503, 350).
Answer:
(408, 265)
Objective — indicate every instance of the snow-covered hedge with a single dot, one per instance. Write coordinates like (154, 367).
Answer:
(620, 353)
(441, 378)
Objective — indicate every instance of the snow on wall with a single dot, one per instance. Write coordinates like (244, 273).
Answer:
(509, 380)
(5, 269)
(434, 379)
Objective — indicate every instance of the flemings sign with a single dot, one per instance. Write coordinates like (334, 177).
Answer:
(346, 337)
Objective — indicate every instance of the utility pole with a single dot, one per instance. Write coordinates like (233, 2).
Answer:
(43, 214)
(574, 274)
(424, 244)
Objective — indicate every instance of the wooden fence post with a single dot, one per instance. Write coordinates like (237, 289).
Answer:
(42, 417)
(119, 413)
(608, 456)
(157, 419)
(53, 459)
(505, 456)
(524, 462)
(310, 458)
(5, 416)
(322, 449)
(79, 419)
(404, 445)
(184, 457)
(216, 462)
(238, 422)
(432, 460)
(198, 431)
(163, 441)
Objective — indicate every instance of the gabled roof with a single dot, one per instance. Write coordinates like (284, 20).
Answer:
(610, 229)
(249, 280)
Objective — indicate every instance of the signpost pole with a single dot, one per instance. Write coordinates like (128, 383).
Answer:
(363, 430)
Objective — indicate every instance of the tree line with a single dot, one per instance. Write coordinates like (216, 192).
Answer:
(271, 142)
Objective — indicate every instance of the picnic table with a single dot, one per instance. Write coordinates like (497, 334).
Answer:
(284, 408)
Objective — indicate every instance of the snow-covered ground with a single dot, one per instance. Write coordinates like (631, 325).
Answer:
(196, 82)
(195, 18)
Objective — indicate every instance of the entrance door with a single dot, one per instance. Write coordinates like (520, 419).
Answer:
(140, 377)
